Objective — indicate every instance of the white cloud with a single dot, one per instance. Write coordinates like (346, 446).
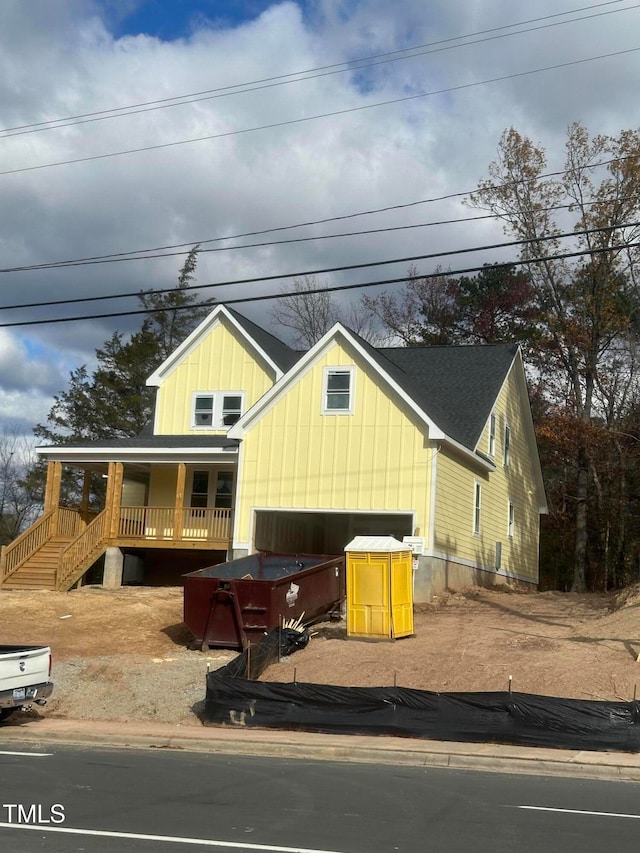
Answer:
(66, 62)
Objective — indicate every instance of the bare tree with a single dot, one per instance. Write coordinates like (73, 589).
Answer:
(18, 503)
(308, 310)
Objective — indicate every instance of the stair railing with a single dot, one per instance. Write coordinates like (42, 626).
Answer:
(74, 559)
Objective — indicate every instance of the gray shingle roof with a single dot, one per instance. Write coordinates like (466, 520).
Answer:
(456, 386)
(277, 350)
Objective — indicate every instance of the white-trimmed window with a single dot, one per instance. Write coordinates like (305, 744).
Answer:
(507, 445)
(492, 434)
(216, 409)
(337, 392)
(477, 505)
(202, 415)
(511, 519)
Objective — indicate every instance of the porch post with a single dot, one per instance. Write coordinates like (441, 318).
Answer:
(116, 498)
(86, 494)
(179, 502)
(54, 482)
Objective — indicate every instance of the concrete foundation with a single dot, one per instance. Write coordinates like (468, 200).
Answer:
(113, 567)
(436, 574)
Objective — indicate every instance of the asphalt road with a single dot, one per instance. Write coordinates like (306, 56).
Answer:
(67, 799)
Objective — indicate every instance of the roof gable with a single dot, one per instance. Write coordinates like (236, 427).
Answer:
(451, 389)
(277, 355)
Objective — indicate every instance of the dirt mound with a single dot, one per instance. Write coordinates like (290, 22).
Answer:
(123, 654)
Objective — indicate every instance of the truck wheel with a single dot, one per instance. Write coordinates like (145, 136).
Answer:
(5, 712)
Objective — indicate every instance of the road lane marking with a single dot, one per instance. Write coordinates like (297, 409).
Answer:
(28, 754)
(171, 839)
(580, 811)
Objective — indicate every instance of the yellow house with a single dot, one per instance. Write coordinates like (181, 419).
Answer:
(255, 446)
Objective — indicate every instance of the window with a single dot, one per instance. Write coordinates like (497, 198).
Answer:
(338, 391)
(216, 409)
(476, 509)
(507, 445)
(224, 489)
(203, 410)
(200, 489)
(202, 480)
(511, 514)
(492, 435)
(231, 409)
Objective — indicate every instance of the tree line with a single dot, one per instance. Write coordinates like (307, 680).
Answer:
(572, 304)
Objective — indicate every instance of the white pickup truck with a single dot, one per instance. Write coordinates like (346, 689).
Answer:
(25, 673)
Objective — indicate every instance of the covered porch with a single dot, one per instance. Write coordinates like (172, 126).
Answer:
(150, 499)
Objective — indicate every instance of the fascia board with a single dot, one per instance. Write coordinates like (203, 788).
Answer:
(239, 429)
(169, 364)
(135, 454)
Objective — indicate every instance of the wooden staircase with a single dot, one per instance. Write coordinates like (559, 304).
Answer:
(40, 570)
(54, 552)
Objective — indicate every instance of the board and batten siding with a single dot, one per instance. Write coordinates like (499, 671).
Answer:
(375, 460)
(455, 499)
(222, 361)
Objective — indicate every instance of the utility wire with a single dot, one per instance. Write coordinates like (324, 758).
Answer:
(144, 254)
(351, 65)
(332, 289)
(410, 259)
(332, 114)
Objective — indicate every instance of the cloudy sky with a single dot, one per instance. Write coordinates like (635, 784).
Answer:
(273, 114)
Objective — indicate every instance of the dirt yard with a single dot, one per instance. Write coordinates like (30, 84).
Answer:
(123, 654)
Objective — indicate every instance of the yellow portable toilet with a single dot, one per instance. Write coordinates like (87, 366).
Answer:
(379, 588)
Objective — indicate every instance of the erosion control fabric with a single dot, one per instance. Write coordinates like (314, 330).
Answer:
(501, 717)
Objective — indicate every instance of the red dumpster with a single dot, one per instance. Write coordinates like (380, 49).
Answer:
(233, 604)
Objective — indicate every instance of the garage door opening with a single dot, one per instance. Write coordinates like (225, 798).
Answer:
(323, 532)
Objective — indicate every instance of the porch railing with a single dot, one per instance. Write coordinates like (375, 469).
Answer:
(159, 522)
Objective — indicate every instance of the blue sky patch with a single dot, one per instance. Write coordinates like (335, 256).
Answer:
(169, 20)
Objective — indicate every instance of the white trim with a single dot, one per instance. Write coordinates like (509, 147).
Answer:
(477, 508)
(237, 502)
(217, 409)
(194, 339)
(511, 519)
(332, 370)
(137, 454)
(435, 450)
(305, 363)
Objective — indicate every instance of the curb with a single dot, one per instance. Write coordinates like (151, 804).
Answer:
(312, 746)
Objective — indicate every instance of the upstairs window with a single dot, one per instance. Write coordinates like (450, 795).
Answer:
(216, 409)
(492, 435)
(203, 410)
(231, 409)
(507, 445)
(338, 391)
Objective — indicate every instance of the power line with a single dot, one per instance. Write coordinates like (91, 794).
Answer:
(145, 254)
(332, 114)
(343, 268)
(322, 71)
(333, 289)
